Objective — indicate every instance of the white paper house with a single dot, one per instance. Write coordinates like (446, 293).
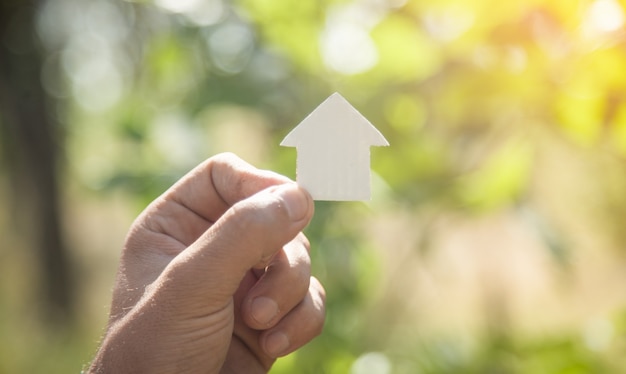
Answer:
(333, 151)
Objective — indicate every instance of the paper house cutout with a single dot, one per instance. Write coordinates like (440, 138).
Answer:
(333, 145)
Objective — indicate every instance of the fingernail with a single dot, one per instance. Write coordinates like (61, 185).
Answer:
(263, 309)
(276, 343)
(296, 202)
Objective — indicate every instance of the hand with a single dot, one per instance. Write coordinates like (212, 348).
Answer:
(215, 277)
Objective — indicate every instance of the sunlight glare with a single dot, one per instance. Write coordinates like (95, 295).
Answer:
(345, 43)
(604, 16)
(371, 363)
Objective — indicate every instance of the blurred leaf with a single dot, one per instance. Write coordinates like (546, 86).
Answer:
(618, 129)
(581, 114)
(405, 53)
(500, 180)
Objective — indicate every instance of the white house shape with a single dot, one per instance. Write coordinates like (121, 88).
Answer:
(333, 151)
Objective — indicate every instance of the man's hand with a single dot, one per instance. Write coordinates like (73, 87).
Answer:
(215, 277)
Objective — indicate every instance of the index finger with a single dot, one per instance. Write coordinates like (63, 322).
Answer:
(218, 183)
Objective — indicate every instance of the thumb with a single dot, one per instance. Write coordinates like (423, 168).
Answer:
(246, 235)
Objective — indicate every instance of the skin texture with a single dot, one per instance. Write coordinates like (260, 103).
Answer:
(215, 277)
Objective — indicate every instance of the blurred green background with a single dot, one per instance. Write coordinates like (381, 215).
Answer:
(495, 240)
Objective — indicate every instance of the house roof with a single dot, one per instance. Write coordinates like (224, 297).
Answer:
(337, 118)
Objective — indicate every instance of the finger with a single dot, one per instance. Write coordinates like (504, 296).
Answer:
(300, 326)
(283, 286)
(249, 233)
(218, 183)
(170, 219)
(200, 198)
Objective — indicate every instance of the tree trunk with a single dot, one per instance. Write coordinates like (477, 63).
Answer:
(31, 139)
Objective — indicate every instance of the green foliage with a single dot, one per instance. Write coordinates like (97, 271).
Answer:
(474, 98)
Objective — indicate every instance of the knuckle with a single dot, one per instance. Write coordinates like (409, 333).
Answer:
(299, 279)
(220, 163)
(304, 241)
(318, 301)
(300, 264)
(318, 321)
(225, 158)
(319, 290)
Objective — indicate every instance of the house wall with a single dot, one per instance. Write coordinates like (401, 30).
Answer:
(333, 173)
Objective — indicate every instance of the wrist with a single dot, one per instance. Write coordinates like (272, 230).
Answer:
(147, 340)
